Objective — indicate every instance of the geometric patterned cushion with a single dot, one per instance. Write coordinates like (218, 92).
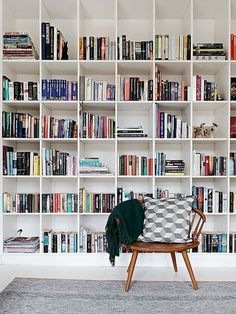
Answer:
(167, 220)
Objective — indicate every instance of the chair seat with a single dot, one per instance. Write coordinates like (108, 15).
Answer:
(158, 247)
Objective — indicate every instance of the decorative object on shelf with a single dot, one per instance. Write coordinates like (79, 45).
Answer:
(204, 131)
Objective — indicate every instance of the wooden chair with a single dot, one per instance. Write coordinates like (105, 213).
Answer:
(196, 225)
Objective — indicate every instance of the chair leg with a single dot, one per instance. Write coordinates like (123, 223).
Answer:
(131, 270)
(190, 270)
(173, 257)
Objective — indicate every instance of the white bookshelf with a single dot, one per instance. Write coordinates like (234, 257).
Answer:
(205, 20)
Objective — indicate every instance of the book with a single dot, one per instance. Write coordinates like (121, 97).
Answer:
(233, 126)
(233, 88)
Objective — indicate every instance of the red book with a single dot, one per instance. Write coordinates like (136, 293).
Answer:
(233, 126)
(133, 165)
(232, 46)
(127, 88)
(206, 165)
(150, 166)
(200, 198)
(103, 49)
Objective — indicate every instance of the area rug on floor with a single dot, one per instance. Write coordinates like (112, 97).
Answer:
(52, 296)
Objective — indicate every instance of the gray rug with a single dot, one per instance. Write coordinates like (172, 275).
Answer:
(49, 296)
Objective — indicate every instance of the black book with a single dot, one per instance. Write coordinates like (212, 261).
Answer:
(231, 207)
(84, 48)
(118, 48)
(51, 30)
(47, 43)
(189, 47)
(54, 243)
(89, 243)
(17, 91)
(123, 47)
(233, 88)
(35, 91)
(43, 40)
(150, 90)
(99, 44)
(91, 48)
(21, 91)
(30, 90)
(45, 241)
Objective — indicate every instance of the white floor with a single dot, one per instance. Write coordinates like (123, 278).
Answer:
(9, 272)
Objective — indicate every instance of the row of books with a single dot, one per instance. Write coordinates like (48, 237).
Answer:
(91, 90)
(173, 47)
(21, 245)
(53, 44)
(60, 203)
(170, 90)
(92, 242)
(21, 202)
(19, 125)
(214, 242)
(96, 202)
(131, 132)
(134, 50)
(166, 167)
(209, 200)
(204, 90)
(18, 45)
(97, 48)
(57, 89)
(92, 166)
(132, 165)
(59, 128)
(123, 195)
(206, 165)
(160, 193)
(232, 164)
(14, 91)
(134, 88)
(209, 51)
(59, 242)
(170, 126)
(20, 163)
(96, 126)
(56, 163)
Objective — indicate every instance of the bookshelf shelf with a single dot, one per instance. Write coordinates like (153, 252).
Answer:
(205, 21)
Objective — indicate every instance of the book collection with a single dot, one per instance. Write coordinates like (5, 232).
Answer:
(207, 165)
(232, 243)
(173, 47)
(232, 202)
(97, 48)
(232, 164)
(93, 166)
(21, 202)
(20, 163)
(18, 45)
(21, 245)
(209, 51)
(204, 90)
(134, 50)
(131, 132)
(165, 167)
(60, 203)
(160, 193)
(58, 128)
(59, 242)
(123, 196)
(209, 200)
(16, 91)
(133, 165)
(171, 126)
(170, 90)
(92, 242)
(96, 126)
(96, 202)
(214, 242)
(59, 90)
(19, 125)
(54, 46)
(56, 163)
(134, 88)
(91, 90)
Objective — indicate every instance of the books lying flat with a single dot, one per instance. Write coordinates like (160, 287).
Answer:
(21, 245)
(132, 135)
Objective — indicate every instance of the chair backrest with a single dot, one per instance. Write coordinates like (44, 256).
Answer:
(198, 220)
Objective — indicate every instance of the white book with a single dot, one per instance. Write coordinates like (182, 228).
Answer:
(177, 47)
(217, 202)
(11, 91)
(205, 200)
(197, 164)
(189, 93)
(214, 201)
(95, 48)
(104, 90)
(165, 124)
(194, 87)
(87, 49)
(88, 88)
(163, 47)
(225, 203)
(170, 47)
(59, 242)
(202, 163)
(55, 44)
(173, 52)
(100, 91)
(159, 46)
(25, 91)
(181, 48)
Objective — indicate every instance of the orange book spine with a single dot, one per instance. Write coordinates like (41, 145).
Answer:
(81, 48)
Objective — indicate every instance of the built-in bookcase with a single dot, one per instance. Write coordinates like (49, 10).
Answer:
(205, 21)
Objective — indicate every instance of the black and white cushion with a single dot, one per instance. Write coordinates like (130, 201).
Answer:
(167, 220)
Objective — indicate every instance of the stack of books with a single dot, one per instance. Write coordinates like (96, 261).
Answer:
(129, 195)
(59, 203)
(21, 202)
(173, 47)
(54, 46)
(160, 193)
(208, 51)
(206, 165)
(97, 48)
(165, 167)
(59, 90)
(208, 200)
(21, 245)
(93, 166)
(18, 45)
(132, 165)
(131, 132)
(92, 242)
(16, 91)
(59, 242)
(19, 125)
(59, 128)
(204, 90)
(134, 50)
(91, 90)
(134, 88)
(96, 202)
(214, 242)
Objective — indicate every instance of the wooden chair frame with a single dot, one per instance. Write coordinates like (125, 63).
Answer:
(198, 220)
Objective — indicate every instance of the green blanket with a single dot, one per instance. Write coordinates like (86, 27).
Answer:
(130, 214)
